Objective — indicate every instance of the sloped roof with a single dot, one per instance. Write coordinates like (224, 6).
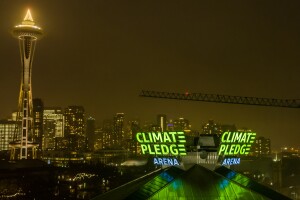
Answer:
(201, 183)
(195, 183)
(125, 190)
(156, 184)
(249, 183)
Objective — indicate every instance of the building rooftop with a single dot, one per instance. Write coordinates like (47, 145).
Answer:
(195, 183)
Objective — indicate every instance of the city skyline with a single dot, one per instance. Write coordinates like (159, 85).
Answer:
(102, 54)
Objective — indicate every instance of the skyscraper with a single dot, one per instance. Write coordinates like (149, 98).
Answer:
(75, 128)
(261, 147)
(38, 109)
(90, 132)
(181, 124)
(118, 132)
(211, 127)
(162, 122)
(106, 135)
(7, 129)
(27, 33)
(53, 127)
(135, 128)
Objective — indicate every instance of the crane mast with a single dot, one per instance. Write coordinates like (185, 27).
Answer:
(217, 98)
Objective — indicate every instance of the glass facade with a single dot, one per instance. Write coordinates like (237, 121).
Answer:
(195, 183)
(155, 185)
(53, 127)
(7, 130)
(201, 183)
(75, 128)
(249, 183)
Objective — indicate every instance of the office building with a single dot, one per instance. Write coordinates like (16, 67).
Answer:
(118, 131)
(7, 132)
(90, 132)
(107, 134)
(75, 128)
(211, 127)
(181, 124)
(261, 147)
(162, 122)
(38, 109)
(53, 124)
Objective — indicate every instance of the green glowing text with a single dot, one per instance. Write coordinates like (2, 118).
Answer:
(236, 143)
(162, 143)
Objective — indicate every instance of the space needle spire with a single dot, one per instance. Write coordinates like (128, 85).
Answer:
(23, 146)
(28, 16)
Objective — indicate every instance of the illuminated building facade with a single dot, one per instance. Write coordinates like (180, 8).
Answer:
(7, 129)
(118, 131)
(53, 124)
(98, 142)
(162, 122)
(107, 129)
(261, 147)
(75, 128)
(38, 109)
(181, 124)
(289, 152)
(134, 145)
(90, 132)
(211, 128)
(27, 33)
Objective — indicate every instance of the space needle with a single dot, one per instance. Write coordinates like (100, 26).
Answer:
(23, 146)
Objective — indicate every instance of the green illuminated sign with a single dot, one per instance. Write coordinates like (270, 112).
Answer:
(235, 143)
(162, 143)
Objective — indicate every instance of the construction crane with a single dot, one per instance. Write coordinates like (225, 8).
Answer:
(217, 98)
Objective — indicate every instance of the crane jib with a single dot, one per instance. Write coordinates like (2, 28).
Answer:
(217, 98)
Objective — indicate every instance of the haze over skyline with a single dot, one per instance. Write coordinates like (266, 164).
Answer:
(101, 54)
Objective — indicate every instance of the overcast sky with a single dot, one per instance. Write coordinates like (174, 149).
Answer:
(101, 53)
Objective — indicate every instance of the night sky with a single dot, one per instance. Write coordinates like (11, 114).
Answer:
(101, 53)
